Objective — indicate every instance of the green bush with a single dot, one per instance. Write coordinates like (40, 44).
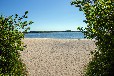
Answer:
(100, 26)
(10, 45)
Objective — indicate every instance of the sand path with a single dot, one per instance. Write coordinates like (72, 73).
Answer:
(56, 57)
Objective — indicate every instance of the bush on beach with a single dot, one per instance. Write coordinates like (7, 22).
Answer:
(11, 44)
(100, 26)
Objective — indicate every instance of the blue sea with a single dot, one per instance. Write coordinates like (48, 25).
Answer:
(57, 35)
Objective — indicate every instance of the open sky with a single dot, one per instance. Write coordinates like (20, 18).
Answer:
(47, 15)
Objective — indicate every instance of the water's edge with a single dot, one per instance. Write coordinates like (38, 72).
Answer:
(57, 35)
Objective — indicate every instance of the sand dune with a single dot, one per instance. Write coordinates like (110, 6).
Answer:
(56, 57)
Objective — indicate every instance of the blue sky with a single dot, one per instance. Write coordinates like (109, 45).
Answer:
(47, 15)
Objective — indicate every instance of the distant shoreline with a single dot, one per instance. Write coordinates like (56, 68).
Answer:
(50, 31)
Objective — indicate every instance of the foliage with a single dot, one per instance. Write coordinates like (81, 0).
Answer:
(100, 26)
(11, 44)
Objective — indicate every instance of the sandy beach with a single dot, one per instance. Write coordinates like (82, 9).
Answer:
(56, 57)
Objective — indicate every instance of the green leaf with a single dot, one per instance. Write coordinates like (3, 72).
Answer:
(26, 12)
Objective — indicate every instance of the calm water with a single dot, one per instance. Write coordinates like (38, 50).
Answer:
(60, 35)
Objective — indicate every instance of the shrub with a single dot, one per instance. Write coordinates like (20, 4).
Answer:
(10, 45)
(100, 26)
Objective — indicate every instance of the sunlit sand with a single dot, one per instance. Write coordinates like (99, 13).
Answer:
(56, 57)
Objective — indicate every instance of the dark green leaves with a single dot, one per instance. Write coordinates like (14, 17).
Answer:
(11, 44)
(100, 26)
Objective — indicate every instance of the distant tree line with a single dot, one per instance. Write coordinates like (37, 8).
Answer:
(51, 31)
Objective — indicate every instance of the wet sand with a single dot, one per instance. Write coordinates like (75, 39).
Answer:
(56, 57)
